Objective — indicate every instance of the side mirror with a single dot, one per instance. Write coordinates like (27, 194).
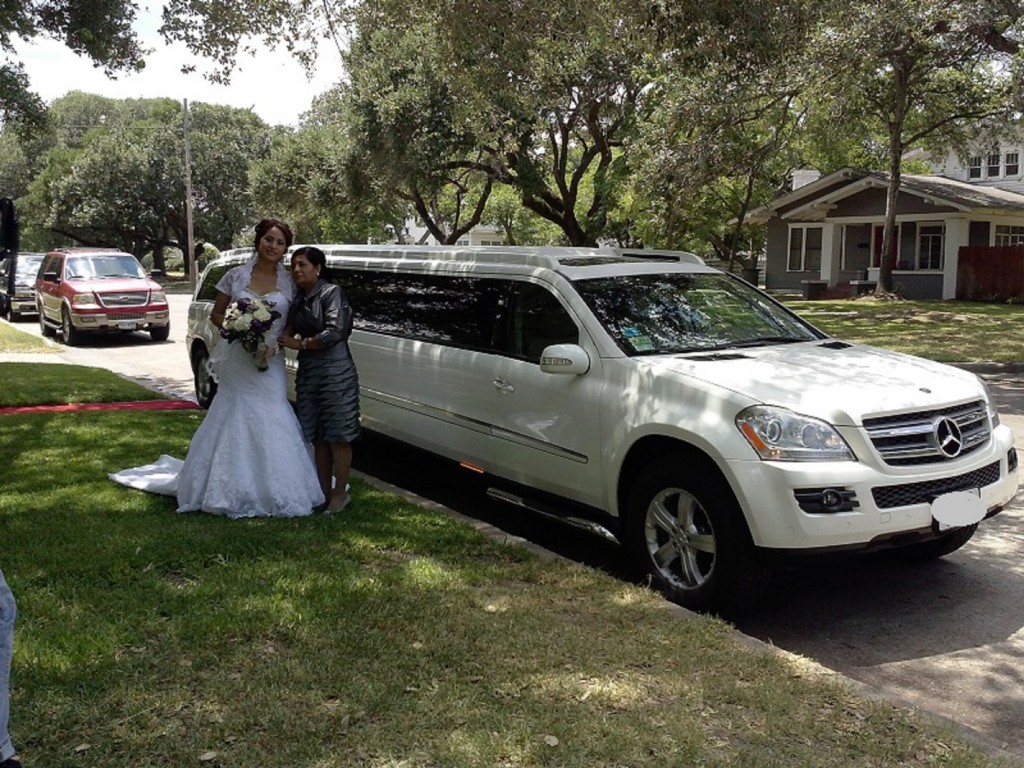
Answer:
(157, 274)
(565, 358)
(50, 277)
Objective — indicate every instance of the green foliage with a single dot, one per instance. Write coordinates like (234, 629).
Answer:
(113, 173)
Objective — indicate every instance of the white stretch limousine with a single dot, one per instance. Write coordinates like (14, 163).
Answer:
(694, 417)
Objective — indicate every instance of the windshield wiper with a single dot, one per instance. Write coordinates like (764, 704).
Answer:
(764, 341)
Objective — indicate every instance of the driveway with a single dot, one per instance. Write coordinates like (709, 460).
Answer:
(946, 637)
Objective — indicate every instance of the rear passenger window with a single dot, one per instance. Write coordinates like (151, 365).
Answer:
(458, 311)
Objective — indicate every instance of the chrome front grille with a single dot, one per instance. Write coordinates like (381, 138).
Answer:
(126, 316)
(123, 298)
(920, 438)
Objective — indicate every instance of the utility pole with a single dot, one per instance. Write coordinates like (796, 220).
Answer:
(190, 253)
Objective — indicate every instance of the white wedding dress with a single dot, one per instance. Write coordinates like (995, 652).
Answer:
(248, 458)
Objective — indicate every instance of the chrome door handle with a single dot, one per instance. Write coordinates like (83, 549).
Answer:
(503, 385)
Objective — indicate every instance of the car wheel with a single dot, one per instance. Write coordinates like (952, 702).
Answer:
(160, 332)
(205, 386)
(45, 328)
(72, 336)
(685, 529)
(945, 544)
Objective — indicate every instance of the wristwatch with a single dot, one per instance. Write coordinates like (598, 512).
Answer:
(305, 340)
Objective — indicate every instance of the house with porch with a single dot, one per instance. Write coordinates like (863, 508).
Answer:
(826, 234)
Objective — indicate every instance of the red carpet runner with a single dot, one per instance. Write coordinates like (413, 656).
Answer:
(139, 405)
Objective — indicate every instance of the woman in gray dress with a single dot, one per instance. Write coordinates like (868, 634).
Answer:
(326, 384)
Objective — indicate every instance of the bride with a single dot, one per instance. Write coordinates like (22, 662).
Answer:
(248, 458)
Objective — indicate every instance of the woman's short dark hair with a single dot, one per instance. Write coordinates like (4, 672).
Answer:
(266, 225)
(316, 257)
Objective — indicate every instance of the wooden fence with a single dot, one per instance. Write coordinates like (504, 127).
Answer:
(990, 273)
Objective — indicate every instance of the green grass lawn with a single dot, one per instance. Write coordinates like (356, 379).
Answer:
(947, 331)
(390, 636)
(14, 340)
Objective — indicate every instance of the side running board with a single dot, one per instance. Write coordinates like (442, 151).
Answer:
(550, 512)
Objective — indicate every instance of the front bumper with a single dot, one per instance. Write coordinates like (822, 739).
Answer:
(879, 502)
(122, 320)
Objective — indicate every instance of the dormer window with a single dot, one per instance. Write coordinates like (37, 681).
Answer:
(974, 167)
(993, 164)
(1012, 164)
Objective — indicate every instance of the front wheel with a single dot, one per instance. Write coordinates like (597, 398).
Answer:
(160, 332)
(45, 328)
(684, 527)
(205, 385)
(72, 336)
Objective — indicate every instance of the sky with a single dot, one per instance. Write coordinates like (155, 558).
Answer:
(272, 84)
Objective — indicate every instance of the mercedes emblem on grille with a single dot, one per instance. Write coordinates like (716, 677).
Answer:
(948, 437)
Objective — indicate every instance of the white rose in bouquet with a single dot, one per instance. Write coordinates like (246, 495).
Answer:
(261, 314)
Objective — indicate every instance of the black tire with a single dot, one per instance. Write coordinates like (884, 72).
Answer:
(160, 332)
(72, 336)
(45, 328)
(14, 317)
(205, 386)
(685, 529)
(944, 545)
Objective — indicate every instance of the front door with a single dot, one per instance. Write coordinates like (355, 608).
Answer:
(546, 426)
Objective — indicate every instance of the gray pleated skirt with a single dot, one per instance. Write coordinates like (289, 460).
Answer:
(327, 399)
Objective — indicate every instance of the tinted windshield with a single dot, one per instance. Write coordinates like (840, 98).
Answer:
(104, 266)
(672, 313)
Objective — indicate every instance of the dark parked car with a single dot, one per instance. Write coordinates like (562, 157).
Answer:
(18, 285)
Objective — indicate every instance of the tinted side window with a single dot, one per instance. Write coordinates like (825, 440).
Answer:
(459, 311)
(538, 320)
(208, 290)
(52, 264)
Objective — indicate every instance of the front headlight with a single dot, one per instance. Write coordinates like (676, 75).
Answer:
(83, 300)
(993, 414)
(157, 297)
(780, 435)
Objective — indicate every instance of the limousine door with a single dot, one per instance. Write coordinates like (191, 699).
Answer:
(546, 427)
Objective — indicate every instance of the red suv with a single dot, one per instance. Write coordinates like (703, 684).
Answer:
(89, 290)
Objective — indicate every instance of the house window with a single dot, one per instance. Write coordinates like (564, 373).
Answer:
(1012, 164)
(974, 167)
(805, 249)
(1008, 235)
(930, 245)
(993, 164)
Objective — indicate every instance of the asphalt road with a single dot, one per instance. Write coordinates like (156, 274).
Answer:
(946, 637)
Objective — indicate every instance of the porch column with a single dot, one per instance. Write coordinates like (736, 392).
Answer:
(957, 234)
(830, 253)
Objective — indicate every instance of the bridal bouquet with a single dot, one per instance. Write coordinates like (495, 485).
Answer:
(246, 321)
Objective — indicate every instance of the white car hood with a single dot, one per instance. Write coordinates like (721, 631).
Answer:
(841, 385)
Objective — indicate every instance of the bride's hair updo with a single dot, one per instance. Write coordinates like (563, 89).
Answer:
(267, 224)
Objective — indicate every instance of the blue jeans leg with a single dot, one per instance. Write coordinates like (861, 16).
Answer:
(7, 612)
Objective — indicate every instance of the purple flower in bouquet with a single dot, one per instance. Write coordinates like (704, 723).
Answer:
(247, 321)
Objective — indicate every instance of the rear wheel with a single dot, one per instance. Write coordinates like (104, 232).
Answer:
(684, 527)
(72, 336)
(206, 387)
(160, 332)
